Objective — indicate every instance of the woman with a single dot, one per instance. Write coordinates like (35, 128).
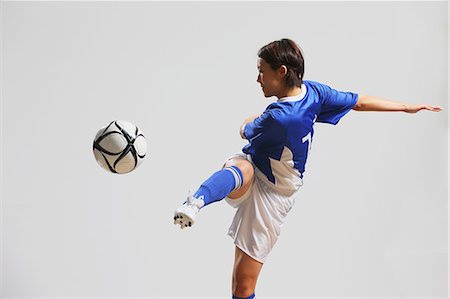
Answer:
(263, 181)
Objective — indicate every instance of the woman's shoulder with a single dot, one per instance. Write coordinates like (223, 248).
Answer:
(313, 84)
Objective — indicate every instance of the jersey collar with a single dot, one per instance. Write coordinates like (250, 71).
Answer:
(294, 98)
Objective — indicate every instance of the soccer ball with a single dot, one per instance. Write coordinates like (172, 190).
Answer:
(119, 147)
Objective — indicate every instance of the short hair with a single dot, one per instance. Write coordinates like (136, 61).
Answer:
(285, 52)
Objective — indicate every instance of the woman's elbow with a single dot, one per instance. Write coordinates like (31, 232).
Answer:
(359, 104)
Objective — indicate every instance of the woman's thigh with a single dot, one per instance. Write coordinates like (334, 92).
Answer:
(247, 171)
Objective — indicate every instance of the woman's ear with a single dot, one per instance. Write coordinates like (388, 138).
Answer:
(282, 71)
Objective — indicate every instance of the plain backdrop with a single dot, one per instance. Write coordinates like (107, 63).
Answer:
(370, 220)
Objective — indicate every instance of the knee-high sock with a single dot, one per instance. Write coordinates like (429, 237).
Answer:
(220, 184)
(252, 296)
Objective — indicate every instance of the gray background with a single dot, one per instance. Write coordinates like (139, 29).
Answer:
(371, 219)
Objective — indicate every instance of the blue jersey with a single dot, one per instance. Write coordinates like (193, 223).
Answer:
(280, 138)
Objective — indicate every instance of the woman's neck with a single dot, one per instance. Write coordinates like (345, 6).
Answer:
(291, 92)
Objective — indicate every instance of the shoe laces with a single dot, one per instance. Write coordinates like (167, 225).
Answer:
(190, 198)
(193, 201)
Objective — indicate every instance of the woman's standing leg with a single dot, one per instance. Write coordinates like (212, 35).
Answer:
(246, 269)
(245, 274)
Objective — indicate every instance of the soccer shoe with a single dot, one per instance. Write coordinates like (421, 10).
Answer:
(186, 214)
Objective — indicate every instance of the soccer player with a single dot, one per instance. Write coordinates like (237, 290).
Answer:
(263, 181)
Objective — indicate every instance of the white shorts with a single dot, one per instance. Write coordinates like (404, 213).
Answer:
(260, 215)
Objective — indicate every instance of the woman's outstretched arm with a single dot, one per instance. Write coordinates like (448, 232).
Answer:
(372, 103)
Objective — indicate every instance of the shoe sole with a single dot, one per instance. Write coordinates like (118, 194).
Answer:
(183, 220)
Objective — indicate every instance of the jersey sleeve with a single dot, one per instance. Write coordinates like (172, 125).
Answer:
(263, 123)
(334, 104)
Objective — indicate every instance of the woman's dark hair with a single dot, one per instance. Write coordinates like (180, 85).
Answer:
(285, 52)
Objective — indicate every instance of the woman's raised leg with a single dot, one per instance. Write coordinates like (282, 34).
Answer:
(233, 180)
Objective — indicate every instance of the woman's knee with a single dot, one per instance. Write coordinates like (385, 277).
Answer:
(244, 166)
(244, 287)
(247, 171)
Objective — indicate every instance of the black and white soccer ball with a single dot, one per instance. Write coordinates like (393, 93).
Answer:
(119, 147)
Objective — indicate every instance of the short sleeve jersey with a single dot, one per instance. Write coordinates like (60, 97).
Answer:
(280, 138)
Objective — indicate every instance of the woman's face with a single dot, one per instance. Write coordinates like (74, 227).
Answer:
(271, 81)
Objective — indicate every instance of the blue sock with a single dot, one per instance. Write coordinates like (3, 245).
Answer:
(220, 184)
(249, 297)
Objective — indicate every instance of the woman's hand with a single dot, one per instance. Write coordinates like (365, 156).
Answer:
(416, 108)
